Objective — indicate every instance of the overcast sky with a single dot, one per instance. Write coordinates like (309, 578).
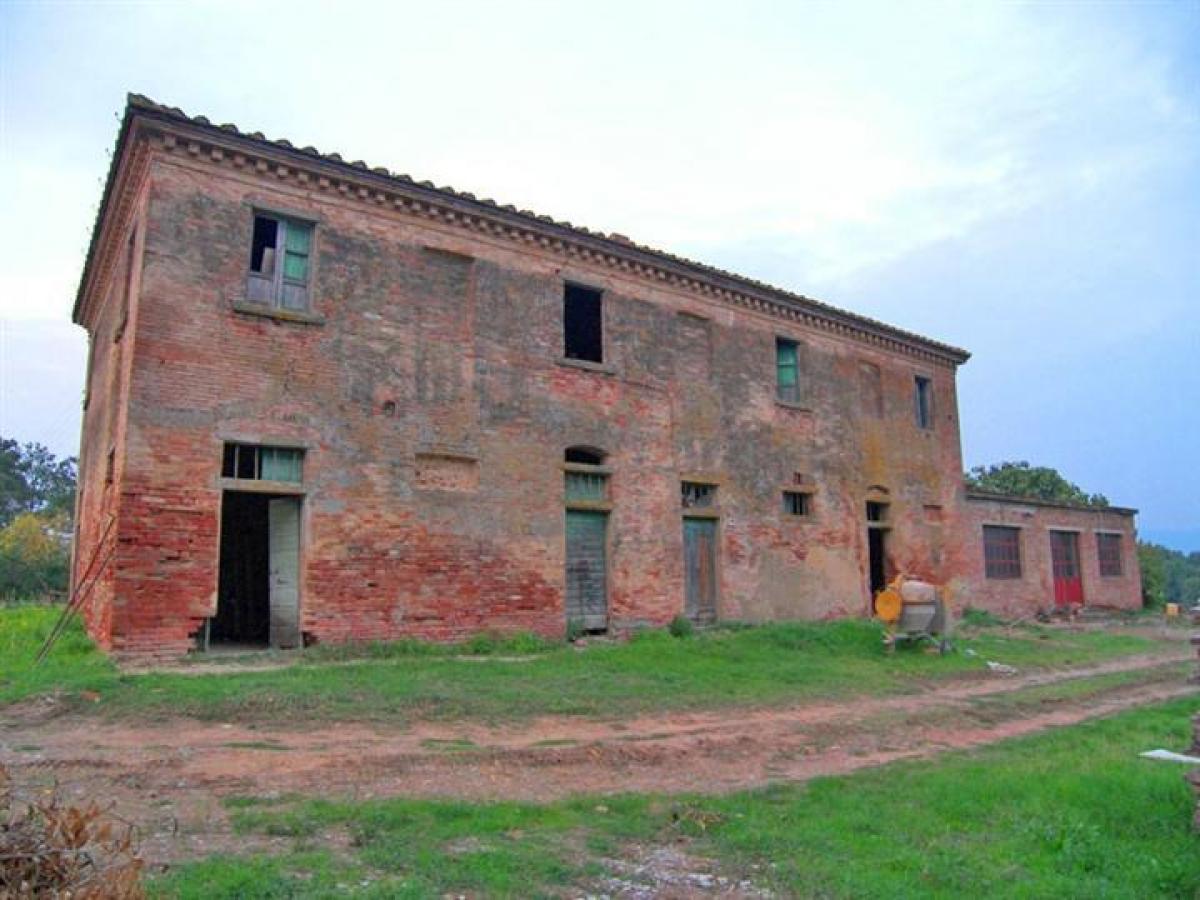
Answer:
(1019, 180)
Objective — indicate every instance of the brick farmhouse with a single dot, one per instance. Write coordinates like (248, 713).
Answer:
(328, 403)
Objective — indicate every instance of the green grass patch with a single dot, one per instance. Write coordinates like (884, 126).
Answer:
(1070, 813)
(652, 672)
(74, 665)
(256, 745)
(1080, 689)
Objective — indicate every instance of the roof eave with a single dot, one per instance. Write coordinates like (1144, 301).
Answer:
(114, 169)
(138, 106)
(1017, 500)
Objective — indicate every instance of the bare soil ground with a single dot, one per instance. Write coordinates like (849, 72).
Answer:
(171, 777)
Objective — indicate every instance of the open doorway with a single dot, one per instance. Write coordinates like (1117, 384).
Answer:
(878, 566)
(258, 598)
(877, 529)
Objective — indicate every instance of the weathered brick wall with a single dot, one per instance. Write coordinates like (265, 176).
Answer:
(111, 325)
(435, 410)
(1034, 590)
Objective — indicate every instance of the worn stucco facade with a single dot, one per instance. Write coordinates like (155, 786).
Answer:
(422, 385)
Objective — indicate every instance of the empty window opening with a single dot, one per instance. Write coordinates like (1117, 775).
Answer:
(787, 370)
(1001, 551)
(587, 456)
(253, 462)
(110, 465)
(1108, 547)
(583, 329)
(797, 503)
(258, 582)
(924, 402)
(262, 250)
(695, 495)
(876, 512)
(279, 262)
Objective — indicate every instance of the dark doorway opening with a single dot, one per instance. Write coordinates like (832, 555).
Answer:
(244, 589)
(878, 565)
(258, 591)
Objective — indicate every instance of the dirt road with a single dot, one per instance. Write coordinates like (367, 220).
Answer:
(171, 777)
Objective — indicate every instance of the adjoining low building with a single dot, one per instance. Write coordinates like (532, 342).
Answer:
(328, 403)
(1040, 555)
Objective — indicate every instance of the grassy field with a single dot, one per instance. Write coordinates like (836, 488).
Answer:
(524, 677)
(1073, 813)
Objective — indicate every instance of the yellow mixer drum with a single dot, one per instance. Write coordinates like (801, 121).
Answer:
(889, 605)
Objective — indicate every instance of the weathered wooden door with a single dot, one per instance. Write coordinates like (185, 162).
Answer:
(700, 569)
(587, 569)
(1064, 559)
(284, 548)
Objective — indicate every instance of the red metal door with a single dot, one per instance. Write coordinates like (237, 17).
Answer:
(1064, 559)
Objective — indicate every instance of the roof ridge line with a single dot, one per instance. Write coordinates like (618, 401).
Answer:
(619, 242)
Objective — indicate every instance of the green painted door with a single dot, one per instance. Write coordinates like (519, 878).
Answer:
(587, 569)
(700, 570)
(284, 548)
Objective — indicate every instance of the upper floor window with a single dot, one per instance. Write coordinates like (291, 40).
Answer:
(583, 324)
(787, 370)
(258, 463)
(923, 397)
(1108, 548)
(280, 266)
(1001, 551)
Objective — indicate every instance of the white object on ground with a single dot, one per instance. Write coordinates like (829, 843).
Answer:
(1001, 668)
(1171, 756)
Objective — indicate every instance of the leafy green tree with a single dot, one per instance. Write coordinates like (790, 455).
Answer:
(1169, 576)
(34, 555)
(1020, 479)
(1152, 559)
(33, 480)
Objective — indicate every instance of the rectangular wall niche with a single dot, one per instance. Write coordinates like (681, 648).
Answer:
(442, 472)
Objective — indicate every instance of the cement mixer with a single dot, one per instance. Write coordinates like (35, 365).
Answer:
(913, 610)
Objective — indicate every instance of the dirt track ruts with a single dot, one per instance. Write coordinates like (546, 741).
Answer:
(171, 776)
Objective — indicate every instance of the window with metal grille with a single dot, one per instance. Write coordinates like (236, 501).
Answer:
(279, 262)
(796, 503)
(254, 462)
(695, 495)
(586, 487)
(1108, 548)
(787, 370)
(583, 324)
(923, 397)
(1002, 551)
